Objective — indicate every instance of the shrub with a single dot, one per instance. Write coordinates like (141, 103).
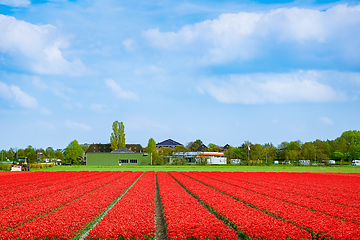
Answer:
(5, 166)
(40, 166)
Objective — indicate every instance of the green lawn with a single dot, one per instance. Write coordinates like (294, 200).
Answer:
(230, 168)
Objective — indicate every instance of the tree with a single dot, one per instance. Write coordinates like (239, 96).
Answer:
(307, 151)
(213, 148)
(246, 148)
(151, 148)
(293, 149)
(352, 139)
(32, 156)
(49, 152)
(11, 154)
(117, 137)
(20, 153)
(165, 153)
(180, 158)
(28, 152)
(337, 155)
(73, 153)
(257, 152)
(231, 153)
(320, 151)
(3, 155)
(59, 154)
(270, 152)
(282, 150)
(194, 145)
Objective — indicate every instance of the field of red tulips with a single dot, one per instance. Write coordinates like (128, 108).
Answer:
(196, 205)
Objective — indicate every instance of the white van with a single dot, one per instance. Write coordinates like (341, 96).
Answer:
(356, 162)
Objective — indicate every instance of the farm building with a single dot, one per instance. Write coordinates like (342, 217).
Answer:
(97, 147)
(119, 157)
(197, 157)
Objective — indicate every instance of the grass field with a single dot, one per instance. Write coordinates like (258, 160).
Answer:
(222, 168)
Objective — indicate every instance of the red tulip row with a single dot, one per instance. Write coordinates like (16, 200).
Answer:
(16, 216)
(185, 216)
(251, 221)
(319, 223)
(52, 183)
(340, 189)
(339, 211)
(65, 222)
(133, 215)
(27, 180)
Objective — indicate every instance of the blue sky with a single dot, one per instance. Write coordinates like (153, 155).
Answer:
(219, 71)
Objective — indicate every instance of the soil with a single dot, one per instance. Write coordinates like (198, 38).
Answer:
(161, 232)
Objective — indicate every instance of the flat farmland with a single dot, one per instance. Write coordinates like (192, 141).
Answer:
(179, 205)
(222, 168)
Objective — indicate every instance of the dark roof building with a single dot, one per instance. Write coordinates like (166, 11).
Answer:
(224, 148)
(168, 143)
(122, 150)
(107, 148)
(202, 148)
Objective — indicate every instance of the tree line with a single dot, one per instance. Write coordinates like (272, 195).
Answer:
(73, 154)
(344, 149)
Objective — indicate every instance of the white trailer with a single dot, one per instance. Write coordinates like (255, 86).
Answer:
(356, 162)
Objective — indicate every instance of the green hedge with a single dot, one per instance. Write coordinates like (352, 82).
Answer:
(37, 165)
(5, 166)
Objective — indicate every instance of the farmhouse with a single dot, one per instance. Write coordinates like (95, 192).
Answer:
(101, 155)
(168, 143)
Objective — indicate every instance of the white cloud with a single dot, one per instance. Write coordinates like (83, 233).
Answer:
(128, 44)
(36, 48)
(47, 125)
(72, 105)
(55, 87)
(5, 90)
(119, 92)
(75, 125)
(14, 93)
(23, 98)
(325, 120)
(15, 3)
(272, 88)
(99, 108)
(247, 35)
(141, 123)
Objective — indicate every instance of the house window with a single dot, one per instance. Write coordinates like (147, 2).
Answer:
(133, 160)
(124, 160)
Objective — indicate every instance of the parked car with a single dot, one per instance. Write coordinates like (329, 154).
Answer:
(67, 164)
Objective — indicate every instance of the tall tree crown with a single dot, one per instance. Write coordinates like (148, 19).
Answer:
(117, 137)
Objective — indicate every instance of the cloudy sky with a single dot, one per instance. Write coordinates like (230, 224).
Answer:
(219, 71)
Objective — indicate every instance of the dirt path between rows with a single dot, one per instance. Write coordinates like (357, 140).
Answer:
(161, 232)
